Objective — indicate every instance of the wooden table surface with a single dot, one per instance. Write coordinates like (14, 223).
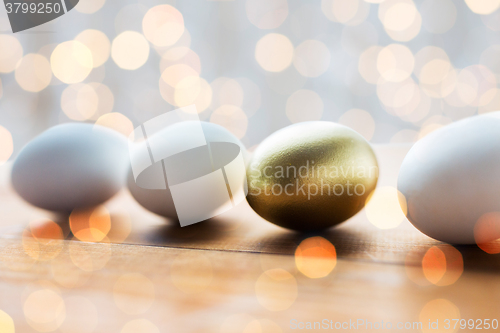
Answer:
(234, 273)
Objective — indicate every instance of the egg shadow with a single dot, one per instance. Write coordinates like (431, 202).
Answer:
(171, 233)
(285, 242)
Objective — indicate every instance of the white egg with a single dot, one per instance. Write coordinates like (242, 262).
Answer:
(160, 201)
(451, 178)
(70, 166)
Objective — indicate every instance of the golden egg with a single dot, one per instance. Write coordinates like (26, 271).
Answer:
(311, 175)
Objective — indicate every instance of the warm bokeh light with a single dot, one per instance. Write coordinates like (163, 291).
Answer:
(227, 91)
(6, 323)
(439, 310)
(232, 118)
(33, 72)
(386, 207)
(6, 145)
(90, 257)
(98, 44)
(276, 289)
(311, 58)
(66, 274)
(71, 62)
(130, 50)
(180, 55)
(367, 64)
(442, 265)
(274, 52)
(163, 25)
(395, 62)
(140, 325)
(90, 224)
(44, 310)
(191, 272)
(487, 233)
(133, 293)
(304, 105)
(87, 101)
(350, 13)
(359, 120)
(81, 315)
(400, 18)
(89, 6)
(11, 52)
(483, 7)
(117, 122)
(267, 14)
(43, 239)
(405, 136)
(315, 257)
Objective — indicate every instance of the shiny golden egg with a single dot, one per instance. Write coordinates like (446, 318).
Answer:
(311, 175)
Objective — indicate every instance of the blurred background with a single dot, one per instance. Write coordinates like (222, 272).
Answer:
(393, 70)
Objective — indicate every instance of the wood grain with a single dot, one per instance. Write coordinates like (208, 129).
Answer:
(209, 277)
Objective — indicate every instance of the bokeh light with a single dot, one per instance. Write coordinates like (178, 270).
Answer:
(44, 310)
(487, 232)
(98, 44)
(267, 14)
(442, 265)
(71, 62)
(400, 18)
(33, 72)
(483, 7)
(386, 207)
(42, 239)
(81, 315)
(304, 105)
(117, 122)
(11, 53)
(395, 62)
(359, 120)
(90, 6)
(347, 12)
(276, 289)
(6, 323)
(86, 101)
(6, 145)
(90, 224)
(140, 325)
(315, 257)
(90, 257)
(191, 272)
(274, 52)
(130, 50)
(133, 293)
(163, 25)
(311, 58)
(439, 310)
(232, 118)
